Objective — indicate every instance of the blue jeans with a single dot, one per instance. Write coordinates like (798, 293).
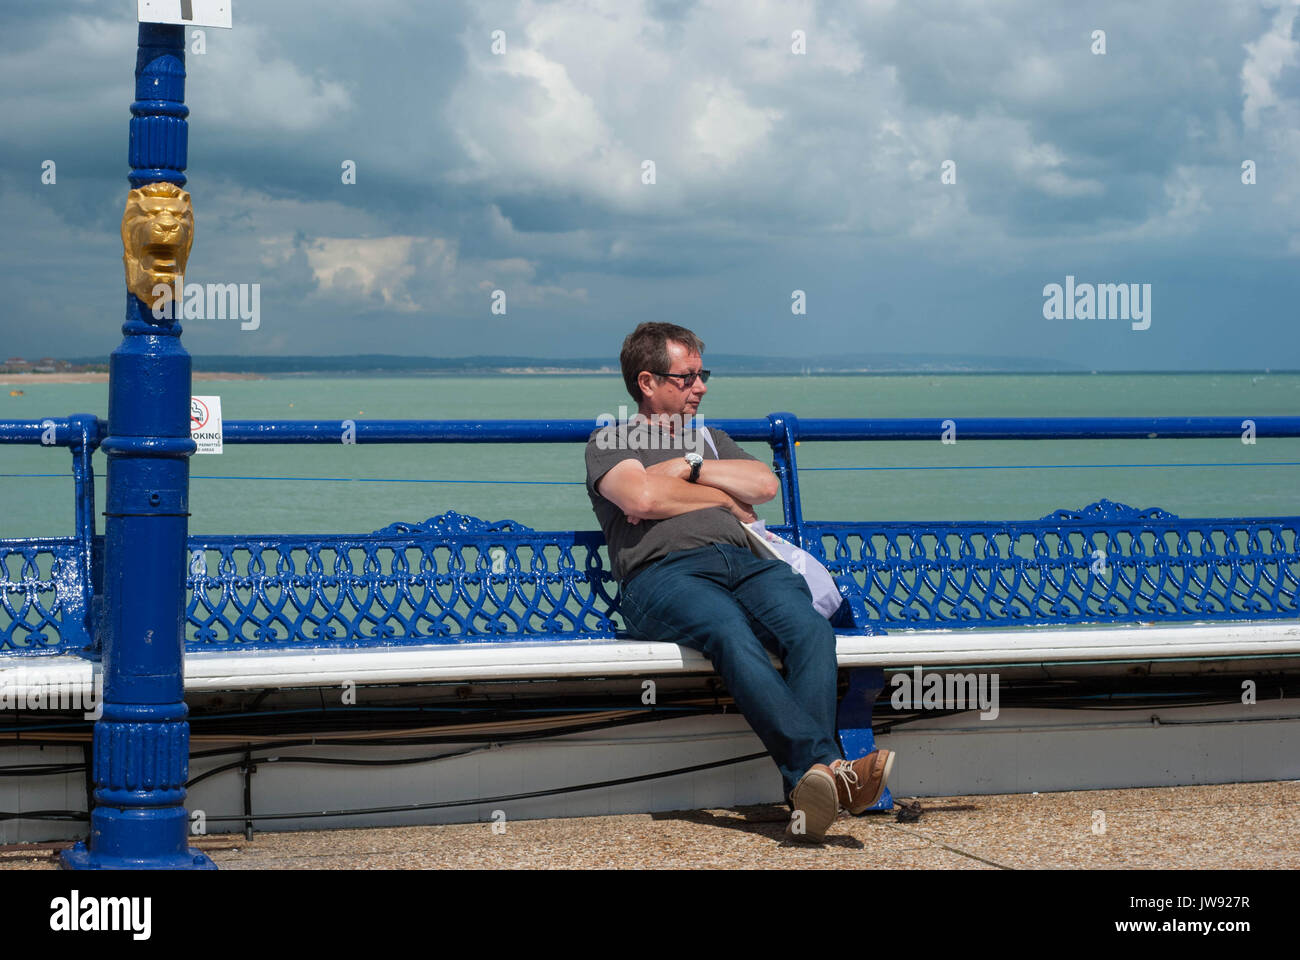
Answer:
(720, 600)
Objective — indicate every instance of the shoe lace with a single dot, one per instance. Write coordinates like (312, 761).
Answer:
(844, 770)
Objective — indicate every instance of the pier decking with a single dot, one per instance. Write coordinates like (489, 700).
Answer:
(1229, 826)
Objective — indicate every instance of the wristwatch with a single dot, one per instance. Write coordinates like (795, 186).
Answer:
(696, 461)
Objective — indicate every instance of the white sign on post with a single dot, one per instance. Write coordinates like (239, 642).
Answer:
(205, 423)
(195, 13)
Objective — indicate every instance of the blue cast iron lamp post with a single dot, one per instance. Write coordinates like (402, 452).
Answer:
(141, 743)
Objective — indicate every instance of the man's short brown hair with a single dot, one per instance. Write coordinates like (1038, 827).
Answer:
(646, 348)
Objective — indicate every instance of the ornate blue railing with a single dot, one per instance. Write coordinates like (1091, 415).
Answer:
(450, 579)
(1107, 563)
(48, 586)
(456, 579)
(43, 596)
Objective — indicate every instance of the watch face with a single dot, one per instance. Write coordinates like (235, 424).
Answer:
(694, 459)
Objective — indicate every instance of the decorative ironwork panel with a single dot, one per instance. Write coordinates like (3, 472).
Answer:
(1107, 563)
(456, 579)
(42, 600)
(451, 579)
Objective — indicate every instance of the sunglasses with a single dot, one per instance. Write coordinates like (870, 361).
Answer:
(688, 379)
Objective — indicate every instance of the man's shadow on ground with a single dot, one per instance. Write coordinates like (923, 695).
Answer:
(765, 820)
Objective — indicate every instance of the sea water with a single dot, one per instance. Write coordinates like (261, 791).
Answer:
(360, 488)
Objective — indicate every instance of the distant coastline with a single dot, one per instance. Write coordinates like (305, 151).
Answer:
(35, 379)
(388, 365)
(17, 371)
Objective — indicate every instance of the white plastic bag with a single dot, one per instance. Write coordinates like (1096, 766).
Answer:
(825, 592)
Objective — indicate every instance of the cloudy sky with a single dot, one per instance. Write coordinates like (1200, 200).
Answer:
(523, 170)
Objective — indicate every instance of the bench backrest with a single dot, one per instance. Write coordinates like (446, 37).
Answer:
(1106, 563)
(456, 579)
(450, 579)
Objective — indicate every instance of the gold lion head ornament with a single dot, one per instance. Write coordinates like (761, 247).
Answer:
(157, 233)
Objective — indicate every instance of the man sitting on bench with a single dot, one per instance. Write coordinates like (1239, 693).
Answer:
(686, 573)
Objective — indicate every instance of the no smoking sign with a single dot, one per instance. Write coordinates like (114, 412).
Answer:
(205, 423)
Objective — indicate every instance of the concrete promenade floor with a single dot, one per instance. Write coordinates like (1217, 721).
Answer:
(1230, 826)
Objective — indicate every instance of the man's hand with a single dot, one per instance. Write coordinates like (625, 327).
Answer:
(749, 481)
(655, 494)
(676, 467)
(742, 511)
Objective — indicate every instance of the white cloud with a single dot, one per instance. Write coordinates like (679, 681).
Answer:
(414, 274)
(1040, 165)
(40, 101)
(1266, 58)
(378, 269)
(726, 127)
(243, 82)
(586, 93)
(522, 117)
(1032, 78)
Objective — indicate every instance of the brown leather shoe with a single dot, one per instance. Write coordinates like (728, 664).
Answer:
(815, 805)
(861, 783)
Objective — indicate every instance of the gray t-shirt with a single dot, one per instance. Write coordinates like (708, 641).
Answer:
(632, 546)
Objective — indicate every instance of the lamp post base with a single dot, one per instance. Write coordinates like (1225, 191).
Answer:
(81, 857)
(137, 838)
